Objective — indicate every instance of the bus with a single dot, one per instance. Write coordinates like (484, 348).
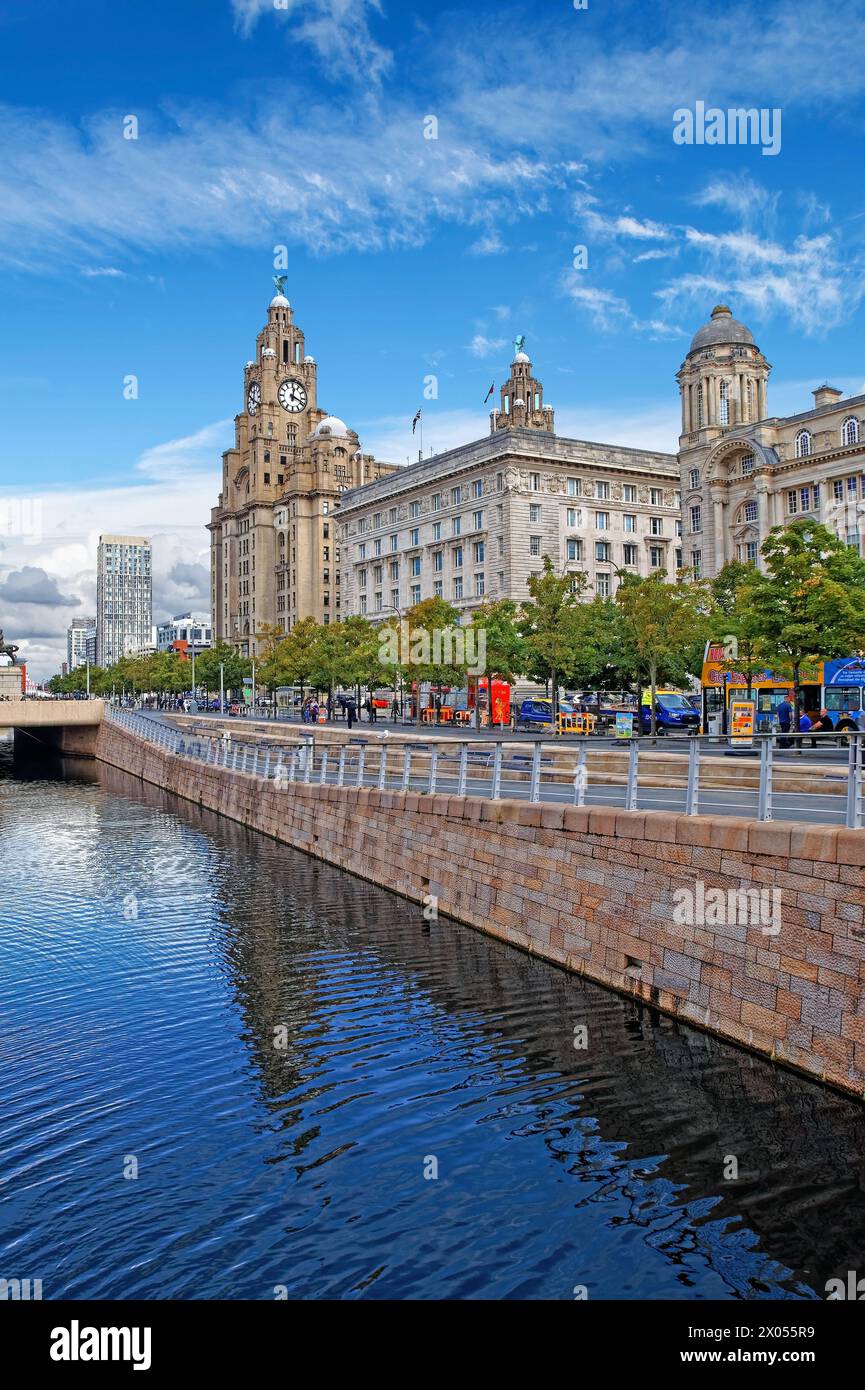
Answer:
(836, 686)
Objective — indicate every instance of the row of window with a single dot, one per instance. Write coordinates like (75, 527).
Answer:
(849, 435)
(599, 490)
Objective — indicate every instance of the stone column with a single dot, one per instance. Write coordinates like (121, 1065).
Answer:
(720, 532)
(762, 399)
(763, 520)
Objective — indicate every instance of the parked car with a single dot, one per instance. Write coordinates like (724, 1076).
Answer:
(672, 711)
(533, 713)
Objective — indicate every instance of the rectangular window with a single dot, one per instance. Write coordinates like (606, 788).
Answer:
(458, 587)
(414, 509)
(629, 493)
(394, 542)
(657, 525)
(394, 598)
(602, 492)
(414, 536)
(629, 524)
(656, 497)
(438, 561)
(391, 516)
(602, 552)
(602, 521)
(573, 518)
(750, 511)
(534, 545)
(436, 501)
(573, 487)
(838, 489)
(477, 521)
(394, 569)
(697, 563)
(361, 551)
(805, 498)
(478, 488)
(694, 478)
(535, 511)
(457, 557)
(456, 496)
(574, 549)
(414, 566)
(656, 556)
(696, 520)
(631, 554)
(602, 585)
(479, 552)
(457, 526)
(414, 591)
(361, 578)
(437, 531)
(376, 547)
(438, 589)
(376, 521)
(479, 585)
(792, 502)
(534, 482)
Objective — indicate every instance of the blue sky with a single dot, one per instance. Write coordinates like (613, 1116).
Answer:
(263, 123)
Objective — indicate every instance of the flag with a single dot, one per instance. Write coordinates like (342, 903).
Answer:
(414, 422)
(489, 393)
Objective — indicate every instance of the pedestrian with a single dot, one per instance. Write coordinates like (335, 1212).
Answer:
(350, 711)
(785, 720)
(313, 712)
(821, 725)
(394, 709)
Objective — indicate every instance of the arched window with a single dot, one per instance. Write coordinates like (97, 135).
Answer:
(803, 444)
(725, 403)
(850, 430)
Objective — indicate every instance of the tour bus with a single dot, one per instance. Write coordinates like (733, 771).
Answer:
(836, 686)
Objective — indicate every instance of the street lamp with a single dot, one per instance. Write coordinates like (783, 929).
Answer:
(392, 608)
(221, 687)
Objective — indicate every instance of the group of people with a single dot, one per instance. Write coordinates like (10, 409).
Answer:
(821, 723)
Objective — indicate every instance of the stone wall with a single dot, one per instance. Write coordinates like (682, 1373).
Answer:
(595, 890)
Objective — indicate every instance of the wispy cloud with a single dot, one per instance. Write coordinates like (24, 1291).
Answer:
(338, 31)
(481, 346)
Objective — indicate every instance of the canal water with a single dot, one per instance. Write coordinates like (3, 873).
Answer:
(229, 1071)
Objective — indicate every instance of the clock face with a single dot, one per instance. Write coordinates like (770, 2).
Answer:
(292, 396)
(253, 397)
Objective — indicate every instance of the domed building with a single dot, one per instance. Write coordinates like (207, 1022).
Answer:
(273, 537)
(744, 471)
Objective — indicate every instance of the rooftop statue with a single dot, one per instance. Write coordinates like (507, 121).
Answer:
(7, 649)
(520, 344)
(279, 281)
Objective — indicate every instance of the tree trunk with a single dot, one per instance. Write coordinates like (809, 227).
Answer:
(653, 677)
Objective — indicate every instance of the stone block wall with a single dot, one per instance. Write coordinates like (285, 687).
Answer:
(598, 891)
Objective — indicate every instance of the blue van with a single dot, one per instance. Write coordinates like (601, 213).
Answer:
(673, 711)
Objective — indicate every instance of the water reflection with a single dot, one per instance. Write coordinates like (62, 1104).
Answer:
(147, 993)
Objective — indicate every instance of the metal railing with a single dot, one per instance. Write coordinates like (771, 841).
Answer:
(693, 780)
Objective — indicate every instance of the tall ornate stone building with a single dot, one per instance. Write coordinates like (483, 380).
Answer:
(274, 547)
(744, 471)
(473, 524)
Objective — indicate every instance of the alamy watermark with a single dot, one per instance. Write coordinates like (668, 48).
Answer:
(447, 646)
(737, 126)
(723, 907)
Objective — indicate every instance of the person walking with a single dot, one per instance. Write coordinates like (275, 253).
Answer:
(350, 711)
(822, 725)
(785, 720)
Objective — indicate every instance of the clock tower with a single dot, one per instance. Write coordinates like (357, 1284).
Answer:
(273, 537)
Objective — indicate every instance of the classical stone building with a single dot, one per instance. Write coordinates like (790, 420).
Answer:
(473, 524)
(274, 548)
(743, 470)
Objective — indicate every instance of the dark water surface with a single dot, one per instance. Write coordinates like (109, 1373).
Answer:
(149, 956)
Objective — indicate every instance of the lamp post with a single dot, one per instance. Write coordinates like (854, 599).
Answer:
(222, 687)
(391, 608)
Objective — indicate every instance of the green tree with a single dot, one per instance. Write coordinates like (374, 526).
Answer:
(506, 652)
(664, 624)
(235, 668)
(551, 624)
(808, 605)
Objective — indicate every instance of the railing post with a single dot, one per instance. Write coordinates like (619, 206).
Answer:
(692, 799)
(854, 786)
(361, 765)
(325, 754)
(309, 758)
(581, 776)
(340, 767)
(382, 768)
(433, 769)
(277, 771)
(633, 776)
(496, 787)
(267, 765)
(464, 770)
(406, 768)
(764, 809)
(292, 765)
(255, 762)
(535, 787)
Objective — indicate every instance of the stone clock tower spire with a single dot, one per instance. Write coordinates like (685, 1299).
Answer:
(522, 398)
(273, 554)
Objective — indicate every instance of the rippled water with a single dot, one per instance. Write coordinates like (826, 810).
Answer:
(148, 953)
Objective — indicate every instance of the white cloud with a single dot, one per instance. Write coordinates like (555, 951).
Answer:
(486, 347)
(490, 244)
(338, 31)
(102, 272)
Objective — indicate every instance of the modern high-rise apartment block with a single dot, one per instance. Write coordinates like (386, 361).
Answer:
(124, 597)
(76, 642)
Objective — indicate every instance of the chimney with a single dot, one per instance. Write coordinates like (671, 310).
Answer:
(826, 395)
